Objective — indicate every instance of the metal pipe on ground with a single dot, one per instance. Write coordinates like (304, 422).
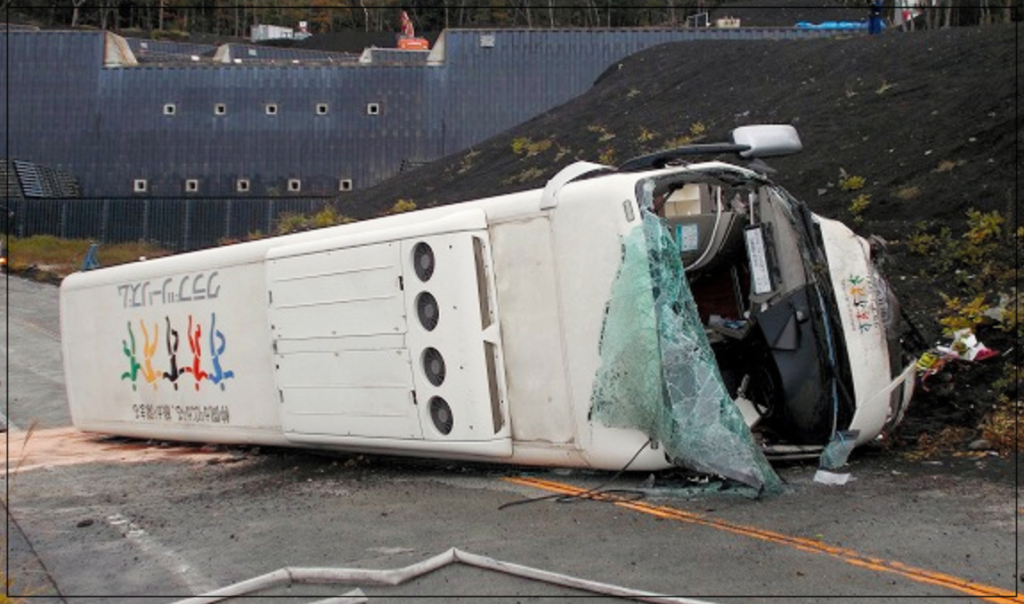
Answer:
(368, 577)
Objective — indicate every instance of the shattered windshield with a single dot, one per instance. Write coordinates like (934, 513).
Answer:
(658, 373)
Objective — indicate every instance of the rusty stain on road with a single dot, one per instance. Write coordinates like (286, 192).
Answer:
(35, 449)
(979, 590)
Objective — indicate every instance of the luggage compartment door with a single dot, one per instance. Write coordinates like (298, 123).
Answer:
(389, 339)
(338, 322)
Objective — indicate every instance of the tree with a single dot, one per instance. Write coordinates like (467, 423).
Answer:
(233, 17)
(76, 6)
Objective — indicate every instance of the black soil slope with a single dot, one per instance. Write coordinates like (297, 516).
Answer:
(928, 119)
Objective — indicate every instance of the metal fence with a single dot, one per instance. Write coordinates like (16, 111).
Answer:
(179, 224)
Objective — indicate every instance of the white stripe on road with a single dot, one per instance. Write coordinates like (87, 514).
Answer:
(171, 560)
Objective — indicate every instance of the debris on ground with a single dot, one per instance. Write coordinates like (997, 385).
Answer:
(966, 347)
(832, 478)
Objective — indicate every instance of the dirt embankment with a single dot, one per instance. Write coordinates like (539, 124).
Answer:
(908, 136)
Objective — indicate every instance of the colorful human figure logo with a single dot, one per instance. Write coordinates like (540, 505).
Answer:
(152, 376)
(217, 345)
(194, 337)
(129, 351)
(214, 372)
(172, 353)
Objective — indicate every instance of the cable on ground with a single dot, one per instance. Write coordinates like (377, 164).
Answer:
(598, 493)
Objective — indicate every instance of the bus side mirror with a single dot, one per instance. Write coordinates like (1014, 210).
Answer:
(767, 140)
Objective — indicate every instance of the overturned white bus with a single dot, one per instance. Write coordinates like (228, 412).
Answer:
(693, 307)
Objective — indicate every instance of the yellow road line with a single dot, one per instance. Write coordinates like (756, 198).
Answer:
(985, 592)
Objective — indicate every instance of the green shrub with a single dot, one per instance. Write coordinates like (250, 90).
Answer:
(526, 146)
(859, 204)
(959, 315)
(295, 222)
(292, 222)
(851, 183)
(329, 216)
(696, 132)
(519, 145)
(645, 136)
(402, 205)
(983, 227)
(605, 134)
(526, 175)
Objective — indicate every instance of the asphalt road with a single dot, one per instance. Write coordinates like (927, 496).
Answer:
(94, 519)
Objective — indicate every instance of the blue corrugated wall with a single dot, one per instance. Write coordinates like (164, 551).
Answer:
(245, 142)
(106, 125)
(51, 109)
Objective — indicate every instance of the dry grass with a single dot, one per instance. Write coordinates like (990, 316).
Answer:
(524, 176)
(947, 441)
(1000, 427)
(948, 165)
(62, 257)
(908, 193)
(6, 584)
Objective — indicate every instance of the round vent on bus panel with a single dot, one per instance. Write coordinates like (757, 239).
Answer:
(423, 261)
(441, 413)
(427, 310)
(433, 366)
